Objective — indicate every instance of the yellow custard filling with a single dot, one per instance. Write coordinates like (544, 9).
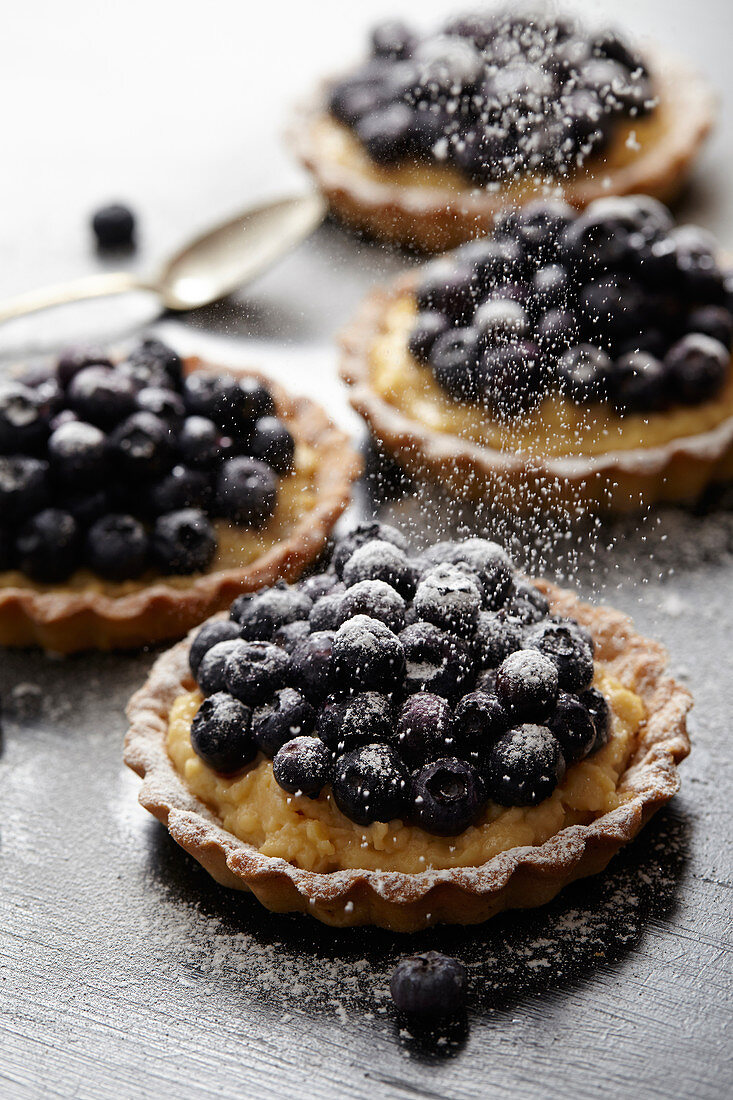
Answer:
(238, 546)
(556, 427)
(314, 835)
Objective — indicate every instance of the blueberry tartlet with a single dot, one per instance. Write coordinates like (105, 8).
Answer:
(408, 739)
(139, 496)
(580, 357)
(433, 134)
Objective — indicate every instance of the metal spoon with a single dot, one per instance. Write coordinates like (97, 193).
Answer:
(208, 268)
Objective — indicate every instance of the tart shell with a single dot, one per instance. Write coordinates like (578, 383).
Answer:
(68, 621)
(519, 878)
(434, 219)
(618, 481)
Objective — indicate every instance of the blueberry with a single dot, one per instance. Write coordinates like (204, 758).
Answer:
(210, 634)
(392, 39)
(85, 507)
(246, 491)
(429, 985)
(255, 670)
(183, 542)
(641, 382)
(480, 153)
(370, 783)
(212, 395)
(376, 599)
(491, 565)
(291, 634)
(695, 255)
(527, 684)
(447, 288)
(48, 546)
(347, 721)
(7, 550)
(573, 727)
(312, 664)
(378, 560)
(357, 538)
(327, 612)
(23, 425)
(550, 287)
(319, 584)
(267, 610)
(713, 321)
(527, 603)
(610, 309)
(386, 133)
(367, 655)
(455, 359)
(609, 43)
(117, 547)
(539, 225)
(101, 396)
(155, 360)
(283, 717)
(600, 712)
(557, 329)
(447, 796)
(303, 766)
(584, 373)
(198, 443)
(211, 674)
(435, 661)
(499, 320)
(24, 487)
(569, 647)
(114, 226)
(221, 734)
(141, 448)
(478, 722)
(697, 366)
(449, 596)
(512, 378)
(181, 488)
(496, 636)
(445, 67)
(424, 729)
(164, 403)
(524, 766)
(491, 262)
(78, 455)
(428, 326)
(271, 442)
(74, 360)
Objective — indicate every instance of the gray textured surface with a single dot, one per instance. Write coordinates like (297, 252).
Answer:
(125, 972)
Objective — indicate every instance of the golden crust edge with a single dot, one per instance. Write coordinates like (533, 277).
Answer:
(519, 878)
(617, 481)
(67, 622)
(431, 220)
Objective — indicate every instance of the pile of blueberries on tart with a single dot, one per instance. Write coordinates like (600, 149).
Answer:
(123, 467)
(615, 304)
(494, 95)
(415, 687)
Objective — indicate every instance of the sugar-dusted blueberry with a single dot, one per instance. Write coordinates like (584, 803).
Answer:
(426, 330)
(456, 362)
(7, 549)
(154, 359)
(386, 133)
(211, 674)
(695, 254)
(271, 442)
(448, 288)
(393, 39)
(101, 395)
(368, 532)
(73, 360)
(367, 655)
(424, 729)
(573, 727)
(77, 453)
(610, 43)
(569, 646)
(378, 560)
(640, 381)
(23, 425)
(327, 612)
(255, 670)
(491, 565)
(549, 287)
(376, 599)
(221, 734)
(524, 766)
(183, 541)
(117, 547)
(114, 226)
(697, 366)
(370, 783)
(584, 373)
(513, 378)
(479, 720)
(24, 486)
(714, 321)
(527, 685)
(449, 596)
(446, 66)
(539, 224)
(303, 766)
(291, 634)
(162, 402)
(435, 660)
(496, 636)
(499, 320)
(447, 796)
(48, 546)
(181, 487)
(430, 984)
(312, 664)
(198, 443)
(600, 712)
(246, 491)
(527, 603)
(286, 715)
(346, 721)
(272, 607)
(319, 584)
(211, 394)
(210, 634)
(141, 447)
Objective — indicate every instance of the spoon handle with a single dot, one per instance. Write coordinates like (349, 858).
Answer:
(90, 286)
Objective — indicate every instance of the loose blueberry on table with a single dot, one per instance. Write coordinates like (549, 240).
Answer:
(615, 305)
(124, 467)
(422, 689)
(493, 95)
